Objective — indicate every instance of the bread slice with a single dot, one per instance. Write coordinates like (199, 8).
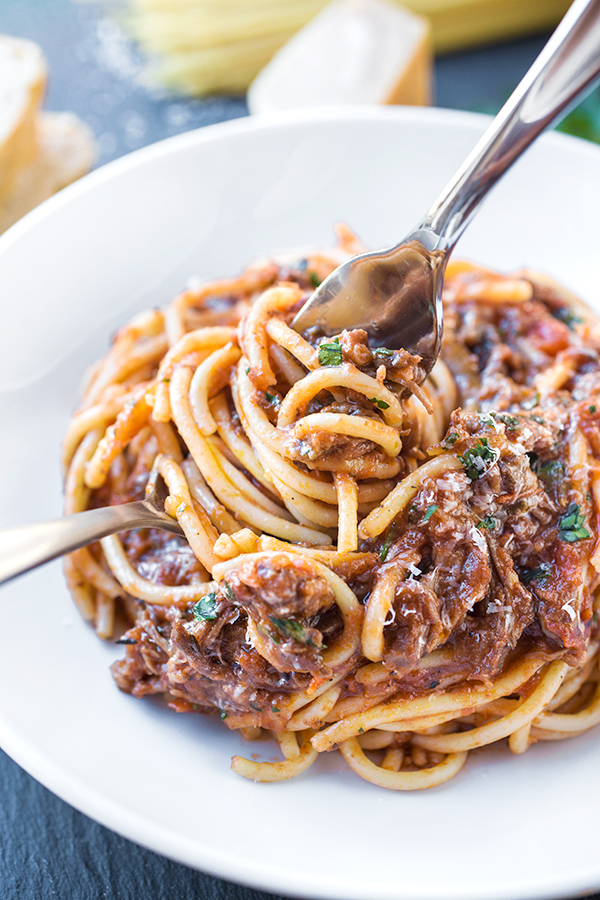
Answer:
(66, 151)
(354, 51)
(22, 85)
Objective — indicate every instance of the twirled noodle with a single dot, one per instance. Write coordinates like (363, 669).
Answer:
(401, 569)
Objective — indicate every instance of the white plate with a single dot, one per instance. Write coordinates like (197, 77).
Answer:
(129, 236)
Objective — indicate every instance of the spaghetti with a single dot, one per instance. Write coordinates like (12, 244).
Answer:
(400, 569)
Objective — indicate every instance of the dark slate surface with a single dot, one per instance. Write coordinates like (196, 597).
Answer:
(48, 849)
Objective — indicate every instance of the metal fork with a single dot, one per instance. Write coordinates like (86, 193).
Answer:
(29, 546)
(395, 295)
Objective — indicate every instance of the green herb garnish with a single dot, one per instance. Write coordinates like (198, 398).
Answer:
(531, 402)
(510, 421)
(292, 629)
(571, 525)
(206, 608)
(488, 522)
(228, 591)
(380, 403)
(478, 459)
(384, 351)
(450, 440)
(539, 574)
(273, 399)
(549, 472)
(429, 512)
(275, 709)
(314, 279)
(487, 419)
(254, 706)
(385, 547)
(592, 409)
(538, 419)
(223, 714)
(566, 315)
(330, 354)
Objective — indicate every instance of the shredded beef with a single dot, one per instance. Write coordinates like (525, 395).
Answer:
(484, 568)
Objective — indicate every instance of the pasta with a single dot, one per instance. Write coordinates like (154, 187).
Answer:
(398, 568)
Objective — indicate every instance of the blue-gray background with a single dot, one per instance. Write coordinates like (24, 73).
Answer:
(47, 849)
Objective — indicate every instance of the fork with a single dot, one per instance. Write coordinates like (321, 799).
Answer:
(395, 295)
(29, 546)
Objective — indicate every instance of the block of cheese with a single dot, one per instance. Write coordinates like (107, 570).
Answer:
(66, 151)
(352, 52)
(22, 84)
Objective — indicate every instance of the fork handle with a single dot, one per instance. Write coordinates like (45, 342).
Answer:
(28, 546)
(567, 67)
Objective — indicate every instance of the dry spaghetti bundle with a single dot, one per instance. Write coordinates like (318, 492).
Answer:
(219, 46)
(401, 569)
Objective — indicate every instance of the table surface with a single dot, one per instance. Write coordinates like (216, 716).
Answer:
(49, 850)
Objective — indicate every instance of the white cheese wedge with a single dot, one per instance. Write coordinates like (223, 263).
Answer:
(22, 84)
(352, 52)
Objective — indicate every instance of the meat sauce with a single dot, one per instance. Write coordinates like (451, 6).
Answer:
(489, 559)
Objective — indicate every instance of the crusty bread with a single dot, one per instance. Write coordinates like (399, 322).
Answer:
(22, 84)
(66, 152)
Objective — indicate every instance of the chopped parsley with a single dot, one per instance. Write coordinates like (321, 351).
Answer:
(223, 714)
(228, 591)
(539, 574)
(254, 706)
(538, 419)
(314, 279)
(531, 402)
(478, 459)
(488, 522)
(206, 608)
(383, 351)
(566, 315)
(380, 403)
(273, 399)
(385, 547)
(292, 629)
(571, 525)
(450, 440)
(550, 467)
(330, 354)
(487, 419)
(429, 512)
(592, 409)
(549, 472)
(361, 730)
(275, 709)
(511, 422)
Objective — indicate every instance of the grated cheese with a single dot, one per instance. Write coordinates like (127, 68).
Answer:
(478, 538)
(569, 609)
